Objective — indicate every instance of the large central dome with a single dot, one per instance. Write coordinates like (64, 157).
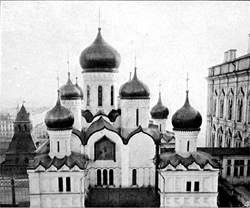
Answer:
(100, 56)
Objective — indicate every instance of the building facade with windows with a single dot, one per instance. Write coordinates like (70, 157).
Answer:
(187, 177)
(6, 126)
(228, 102)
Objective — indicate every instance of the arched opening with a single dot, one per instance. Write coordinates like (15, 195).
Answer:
(58, 146)
(88, 95)
(134, 176)
(137, 117)
(111, 177)
(99, 177)
(239, 111)
(188, 146)
(99, 95)
(230, 109)
(105, 177)
(221, 107)
(112, 96)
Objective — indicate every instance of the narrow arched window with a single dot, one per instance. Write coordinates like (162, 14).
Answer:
(99, 95)
(88, 95)
(230, 109)
(248, 111)
(134, 173)
(221, 107)
(105, 177)
(214, 107)
(99, 177)
(58, 147)
(137, 117)
(188, 146)
(240, 107)
(112, 96)
(19, 127)
(111, 177)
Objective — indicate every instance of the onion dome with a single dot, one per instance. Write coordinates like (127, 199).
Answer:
(59, 117)
(69, 91)
(100, 56)
(187, 118)
(79, 88)
(159, 111)
(134, 89)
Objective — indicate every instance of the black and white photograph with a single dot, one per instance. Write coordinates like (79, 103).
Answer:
(125, 104)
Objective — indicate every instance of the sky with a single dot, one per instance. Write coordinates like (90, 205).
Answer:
(168, 38)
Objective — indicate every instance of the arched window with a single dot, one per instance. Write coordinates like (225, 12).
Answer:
(230, 108)
(214, 106)
(187, 146)
(99, 177)
(88, 95)
(237, 139)
(137, 117)
(99, 95)
(58, 146)
(239, 109)
(105, 177)
(248, 111)
(19, 127)
(213, 140)
(112, 96)
(221, 107)
(111, 177)
(134, 177)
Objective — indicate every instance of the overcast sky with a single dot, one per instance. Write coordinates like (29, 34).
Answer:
(169, 38)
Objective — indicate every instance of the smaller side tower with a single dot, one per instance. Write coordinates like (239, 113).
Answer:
(159, 114)
(59, 121)
(72, 98)
(134, 104)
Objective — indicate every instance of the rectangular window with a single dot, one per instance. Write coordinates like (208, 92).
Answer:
(68, 185)
(248, 168)
(188, 187)
(196, 186)
(241, 168)
(60, 184)
(228, 170)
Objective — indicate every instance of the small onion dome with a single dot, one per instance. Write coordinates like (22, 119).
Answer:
(79, 88)
(134, 89)
(187, 118)
(69, 91)
(99, 56)
(59, 117)
(159, 111)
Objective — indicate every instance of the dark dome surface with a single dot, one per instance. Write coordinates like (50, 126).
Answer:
(69, 91)
(99, 56)
(59, 117)
(79, 88)
(134, 89)
(187, 118)
(159, 111)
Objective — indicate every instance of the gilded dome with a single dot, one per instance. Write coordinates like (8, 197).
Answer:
(99, 56)
(59, 117)
(69, 91)
(159, 111)
(187, 118)
(134, 89)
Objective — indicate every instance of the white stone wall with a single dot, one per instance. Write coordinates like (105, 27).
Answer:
(128, 114)
(172, 185)
(44, 191)
(93, 80)
(183, 137)
(63, 139)
(75, 107)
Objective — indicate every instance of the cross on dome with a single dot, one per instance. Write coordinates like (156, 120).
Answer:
(187, 81)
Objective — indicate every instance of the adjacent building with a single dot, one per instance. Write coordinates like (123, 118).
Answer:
(228, 102)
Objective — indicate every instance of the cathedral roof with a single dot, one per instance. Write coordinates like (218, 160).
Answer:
(134, 89)
(159, 111)
(187, 118)
(99, 56)
(113, 114)
(44, 160)
(59, 117)
(22, 115)
(174, 159)
(69, 91)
